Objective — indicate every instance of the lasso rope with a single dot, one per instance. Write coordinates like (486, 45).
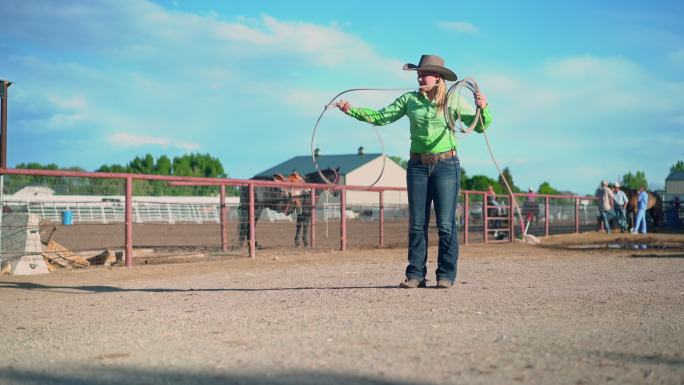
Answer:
(331, 104)
(467, 83)
(470, 84)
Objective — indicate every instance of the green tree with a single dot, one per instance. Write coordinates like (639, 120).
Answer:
(142, 165)
(400, 161)
(482, 182)
(163, 166)
(679, 166)
(464, 179)
(546, 189)
(634, 181)
(507, 174)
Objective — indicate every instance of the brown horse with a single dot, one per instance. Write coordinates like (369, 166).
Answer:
(654, 207)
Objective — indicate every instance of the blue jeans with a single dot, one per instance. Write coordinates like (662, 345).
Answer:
(606, 216)
(621, 218)
(640, 223)
(438, 183)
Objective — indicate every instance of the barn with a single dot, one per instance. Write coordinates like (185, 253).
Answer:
(674, 183)
(359, 169)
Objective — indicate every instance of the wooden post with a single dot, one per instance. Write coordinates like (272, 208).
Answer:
(546, 214)
(343, 220)
(382, 218)
(128, 222)
(252, 236)
(466, 214)
(223, 216)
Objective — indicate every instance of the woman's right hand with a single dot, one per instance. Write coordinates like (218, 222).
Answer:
(343, 105)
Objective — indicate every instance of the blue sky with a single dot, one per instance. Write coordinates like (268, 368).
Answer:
(580, 91)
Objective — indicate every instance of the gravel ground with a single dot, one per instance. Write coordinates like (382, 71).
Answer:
(518, 314)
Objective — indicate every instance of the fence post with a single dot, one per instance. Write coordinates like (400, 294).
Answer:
(485, 217)
(343, 220)
(466, 214)
(313, 217)
(222, 214)
(128, 222)
(511, 219)
(382, 219)
(546, 214)
(577, 215)
(252, 236)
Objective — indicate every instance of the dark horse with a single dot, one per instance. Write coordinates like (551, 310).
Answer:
(281, 199)
(654, 207)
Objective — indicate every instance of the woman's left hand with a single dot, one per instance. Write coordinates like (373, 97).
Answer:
(480, 100)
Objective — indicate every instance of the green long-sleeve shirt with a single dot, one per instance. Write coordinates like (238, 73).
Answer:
(429, 129)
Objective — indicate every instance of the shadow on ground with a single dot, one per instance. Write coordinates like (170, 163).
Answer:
(111, 375)
(91, 289)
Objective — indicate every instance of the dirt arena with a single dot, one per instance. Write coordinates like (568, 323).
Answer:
(559, 313)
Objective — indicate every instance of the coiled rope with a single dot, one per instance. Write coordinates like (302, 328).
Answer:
(471, 85)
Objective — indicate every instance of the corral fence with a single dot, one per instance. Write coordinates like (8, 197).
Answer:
(92, 210)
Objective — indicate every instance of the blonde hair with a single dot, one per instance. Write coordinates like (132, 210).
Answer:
(440, 95)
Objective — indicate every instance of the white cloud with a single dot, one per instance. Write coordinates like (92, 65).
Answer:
(75, 103)
(124, 139)
(458, 26)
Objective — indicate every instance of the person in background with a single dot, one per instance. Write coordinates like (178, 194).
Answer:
(604, 197)
(494, 210)
(530, 209)
(620, 206)
(642, 202)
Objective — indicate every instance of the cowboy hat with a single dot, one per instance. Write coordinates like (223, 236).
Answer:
(432, 63)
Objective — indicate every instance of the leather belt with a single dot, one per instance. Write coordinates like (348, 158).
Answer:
(430, 158)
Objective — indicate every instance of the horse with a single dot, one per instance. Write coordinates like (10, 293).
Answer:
(304, 210)
(273, 198)
(280, 199)
(654, 206)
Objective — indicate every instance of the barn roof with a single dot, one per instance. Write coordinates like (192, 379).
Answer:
(304, 164)
(677, 175)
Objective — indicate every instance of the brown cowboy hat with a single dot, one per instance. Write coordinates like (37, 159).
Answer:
(432, 63)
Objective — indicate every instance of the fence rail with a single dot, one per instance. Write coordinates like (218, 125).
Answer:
(269, 199)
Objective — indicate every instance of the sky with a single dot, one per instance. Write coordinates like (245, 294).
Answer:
(579, 91)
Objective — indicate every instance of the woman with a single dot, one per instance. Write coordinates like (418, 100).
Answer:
(433, 173)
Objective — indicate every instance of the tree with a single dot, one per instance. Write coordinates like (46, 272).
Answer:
(163, 166)
(464, 179)
(679, 166)
(546, 189)
(481, 182)
(142, 165)
(633, 182)
(507, 174)
(400, 161)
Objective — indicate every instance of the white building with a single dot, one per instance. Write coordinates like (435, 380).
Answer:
(358, 169)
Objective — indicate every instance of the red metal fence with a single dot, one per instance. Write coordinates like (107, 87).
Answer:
(480, 219)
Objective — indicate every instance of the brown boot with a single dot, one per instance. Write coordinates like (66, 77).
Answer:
(412, 283)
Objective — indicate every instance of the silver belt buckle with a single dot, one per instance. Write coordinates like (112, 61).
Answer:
(428, 158)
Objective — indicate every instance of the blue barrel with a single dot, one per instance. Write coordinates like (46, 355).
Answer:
(67, 217)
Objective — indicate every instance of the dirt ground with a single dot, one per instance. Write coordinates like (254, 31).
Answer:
(578, 309)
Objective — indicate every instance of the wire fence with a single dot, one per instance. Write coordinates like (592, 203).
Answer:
(233, 216)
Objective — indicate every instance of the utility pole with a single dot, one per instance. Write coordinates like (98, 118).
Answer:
(4, 85)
